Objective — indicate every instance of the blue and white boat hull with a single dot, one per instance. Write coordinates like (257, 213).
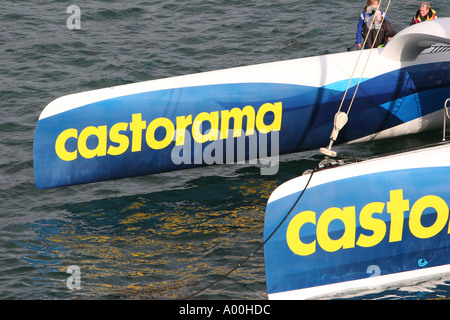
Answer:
(171, 124)
(360, 226)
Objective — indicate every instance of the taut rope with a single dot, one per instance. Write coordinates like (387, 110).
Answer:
(341, 118)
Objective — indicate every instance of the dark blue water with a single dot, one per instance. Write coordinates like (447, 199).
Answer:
(164, 236)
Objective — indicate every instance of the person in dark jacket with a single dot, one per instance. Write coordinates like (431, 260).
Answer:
(367, 12)
(378, 29)
(424, 13)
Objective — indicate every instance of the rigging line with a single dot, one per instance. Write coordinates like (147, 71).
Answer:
(359, 56)
(261, 245)
(341, 118)
(368, 58)
(357, 62)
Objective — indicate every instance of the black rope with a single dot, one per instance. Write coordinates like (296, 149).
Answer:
(317, 168)
(260, 246)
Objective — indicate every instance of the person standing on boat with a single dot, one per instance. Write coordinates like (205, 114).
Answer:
(364, 17)
(378, 30)
(424, 13)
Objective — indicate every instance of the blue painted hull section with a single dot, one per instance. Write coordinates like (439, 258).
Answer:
(412, 247)
(381, 103)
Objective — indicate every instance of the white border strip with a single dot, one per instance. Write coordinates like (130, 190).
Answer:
(369, 283)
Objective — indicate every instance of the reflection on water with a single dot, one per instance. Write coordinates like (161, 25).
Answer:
(157, 246)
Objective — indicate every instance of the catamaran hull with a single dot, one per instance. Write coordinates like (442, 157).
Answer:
(360, 226)
(194, 120)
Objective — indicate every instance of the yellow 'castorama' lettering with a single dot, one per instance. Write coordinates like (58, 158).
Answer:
(116, 142)
(396, 207)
